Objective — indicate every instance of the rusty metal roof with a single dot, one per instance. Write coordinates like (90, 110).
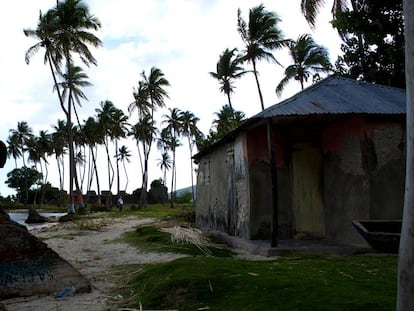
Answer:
(337, 95)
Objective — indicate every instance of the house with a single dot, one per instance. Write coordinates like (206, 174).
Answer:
(308, 166)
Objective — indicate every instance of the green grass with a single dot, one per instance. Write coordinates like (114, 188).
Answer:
(149, 238)
(302, 283)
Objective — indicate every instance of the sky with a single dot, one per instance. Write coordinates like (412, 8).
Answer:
(183, 38)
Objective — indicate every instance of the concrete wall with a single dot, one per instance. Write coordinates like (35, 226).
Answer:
(363, 174)
(362, 178)
(222, 190)
(260, 185)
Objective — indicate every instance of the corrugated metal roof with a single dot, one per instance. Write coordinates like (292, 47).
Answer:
(337, 95)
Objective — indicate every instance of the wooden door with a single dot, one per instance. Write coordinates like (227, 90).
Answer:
(309, 216)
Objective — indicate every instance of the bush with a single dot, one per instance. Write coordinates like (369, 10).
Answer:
(186, 197)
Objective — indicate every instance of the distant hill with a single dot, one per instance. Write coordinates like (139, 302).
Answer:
(181, 191)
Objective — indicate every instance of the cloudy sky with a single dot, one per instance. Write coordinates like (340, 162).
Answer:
(183, 38)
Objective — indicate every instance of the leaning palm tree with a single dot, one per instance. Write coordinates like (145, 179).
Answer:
(227, 70)
(308, 58)
(260, 36)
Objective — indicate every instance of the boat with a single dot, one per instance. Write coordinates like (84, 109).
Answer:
(381, 235)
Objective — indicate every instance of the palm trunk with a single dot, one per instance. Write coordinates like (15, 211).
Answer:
(172, 180)
(405, 296)
(117, 166)
(191, 165)
(258, 84)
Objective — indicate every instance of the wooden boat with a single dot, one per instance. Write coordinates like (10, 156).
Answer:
(382, 235)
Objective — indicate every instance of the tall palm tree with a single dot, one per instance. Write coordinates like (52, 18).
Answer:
(60, 142)
(227, 70)
(13, 149)
(173, 122)
(119, 130)
(64, 31)
(164, 163)
(21, 137)
(155, 84)
(308, 58)
(95, 137)
(149, 96)
(44, 144)
(105, 117)
(189, 129)
(73, 80)
(124, 155)
(143, 132)
(260, 36)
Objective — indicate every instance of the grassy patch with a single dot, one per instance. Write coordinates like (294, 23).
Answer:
(150, 238)
(300, 283)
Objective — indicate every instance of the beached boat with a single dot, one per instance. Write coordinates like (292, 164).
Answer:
(382, 235)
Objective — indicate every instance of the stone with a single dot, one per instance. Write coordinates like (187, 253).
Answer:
(34, 217)
(29, 267)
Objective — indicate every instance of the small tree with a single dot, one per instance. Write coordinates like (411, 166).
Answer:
(22, 179)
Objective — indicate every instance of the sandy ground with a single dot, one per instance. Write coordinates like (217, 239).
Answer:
(93, 253)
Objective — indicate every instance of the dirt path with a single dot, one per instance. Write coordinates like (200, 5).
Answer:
(92, 253)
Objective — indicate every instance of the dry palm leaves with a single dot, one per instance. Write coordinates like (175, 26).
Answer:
(191, 236)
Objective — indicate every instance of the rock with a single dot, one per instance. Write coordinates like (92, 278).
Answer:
(65, 218)
(34, 217)
(28, 267)
(2, 307)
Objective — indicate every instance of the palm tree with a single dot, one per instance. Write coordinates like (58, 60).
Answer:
(124, 155)
(174, 128)
(64, 31)
(45, 147)
(143, 132)
(95, 136)
(73, 80)
(105, 117)
(308, 57)
(260, 36)
(311, 8)
(189, 129)
(228, 69)
(155, 84)
(21, 137)
(149, 96)
(119, 130)
(60, 142)
(13, 149)
(164, 163)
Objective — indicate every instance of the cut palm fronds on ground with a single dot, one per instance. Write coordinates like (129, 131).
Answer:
(191, 236)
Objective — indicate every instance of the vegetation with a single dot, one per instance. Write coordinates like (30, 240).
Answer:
(373, 42)
(302, 282)
(309, 59)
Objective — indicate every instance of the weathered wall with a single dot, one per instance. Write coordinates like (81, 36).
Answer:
(260, 186)
(363, 174)
(222, 191)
